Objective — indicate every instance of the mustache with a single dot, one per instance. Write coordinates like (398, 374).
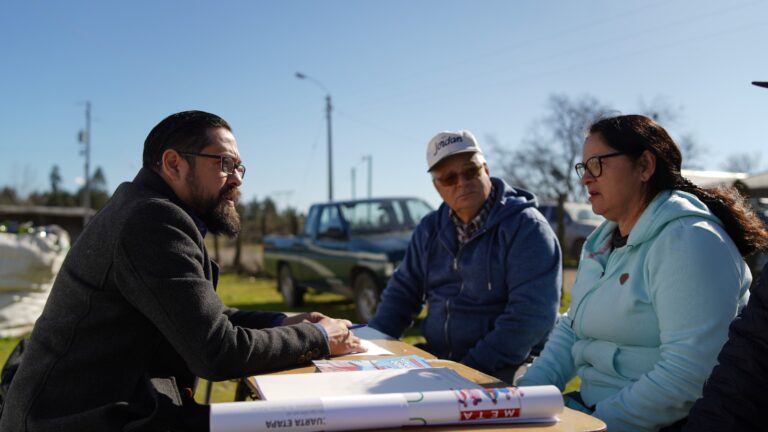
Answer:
(230, 193)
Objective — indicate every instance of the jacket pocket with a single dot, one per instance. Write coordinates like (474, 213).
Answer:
(166, 409)
(597, 354)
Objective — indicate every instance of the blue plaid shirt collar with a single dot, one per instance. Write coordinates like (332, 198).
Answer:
(464, 232)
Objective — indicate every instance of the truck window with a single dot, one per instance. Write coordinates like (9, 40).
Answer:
(330, 219)
(310, 224)
(371, 217)
(417, 209)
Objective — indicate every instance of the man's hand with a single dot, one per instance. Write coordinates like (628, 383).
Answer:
(312, 317)
(340, 337)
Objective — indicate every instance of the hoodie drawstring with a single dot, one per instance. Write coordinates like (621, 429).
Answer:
(494, 234)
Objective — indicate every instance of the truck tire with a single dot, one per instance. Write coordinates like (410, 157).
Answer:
(366, 296)
(293, 295)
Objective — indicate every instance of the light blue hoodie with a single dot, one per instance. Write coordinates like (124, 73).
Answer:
(647, 320)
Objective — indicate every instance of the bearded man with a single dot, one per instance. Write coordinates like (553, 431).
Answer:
(133, 317)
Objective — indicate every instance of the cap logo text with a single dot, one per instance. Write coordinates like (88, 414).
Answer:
(446, 142)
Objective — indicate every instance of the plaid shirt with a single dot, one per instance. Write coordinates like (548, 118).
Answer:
(464, 232)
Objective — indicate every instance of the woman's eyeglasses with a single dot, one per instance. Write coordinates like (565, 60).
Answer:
(228, 164)
(593, 165)
(452, 179)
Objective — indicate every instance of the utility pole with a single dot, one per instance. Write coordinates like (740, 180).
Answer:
(353, 182)
(85, 139)
(328, 108)
(369, 158)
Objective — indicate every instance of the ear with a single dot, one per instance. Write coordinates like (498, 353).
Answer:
(173, 165)
(647, 164)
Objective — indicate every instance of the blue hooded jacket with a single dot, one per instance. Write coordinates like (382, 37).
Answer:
(491, 301)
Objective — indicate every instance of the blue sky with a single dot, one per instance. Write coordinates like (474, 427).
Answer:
(398, 71)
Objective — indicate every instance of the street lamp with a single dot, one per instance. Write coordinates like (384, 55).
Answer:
(328, 108)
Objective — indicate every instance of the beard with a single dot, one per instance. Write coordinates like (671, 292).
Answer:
(219, 217)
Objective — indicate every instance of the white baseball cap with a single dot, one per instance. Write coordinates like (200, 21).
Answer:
(449, 143)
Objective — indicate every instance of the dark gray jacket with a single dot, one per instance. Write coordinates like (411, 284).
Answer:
(132, 320)
(735, 395)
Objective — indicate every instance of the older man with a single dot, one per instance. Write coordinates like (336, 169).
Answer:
(133, 318)
(486, 263)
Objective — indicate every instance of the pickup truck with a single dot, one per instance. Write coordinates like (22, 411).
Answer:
(347, 247)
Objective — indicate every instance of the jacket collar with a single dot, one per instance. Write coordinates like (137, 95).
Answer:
(150, 179)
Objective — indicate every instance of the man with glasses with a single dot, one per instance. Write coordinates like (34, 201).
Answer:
(133, 317)
(486, 263)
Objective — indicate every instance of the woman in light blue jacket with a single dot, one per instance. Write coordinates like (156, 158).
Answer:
(657, 285)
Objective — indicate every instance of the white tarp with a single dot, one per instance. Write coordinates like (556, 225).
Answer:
(28, 265)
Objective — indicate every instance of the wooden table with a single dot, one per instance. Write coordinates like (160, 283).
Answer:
(570, 420)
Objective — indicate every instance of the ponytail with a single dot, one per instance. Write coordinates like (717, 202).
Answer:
(739, 220)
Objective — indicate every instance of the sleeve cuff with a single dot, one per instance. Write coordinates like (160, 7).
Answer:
(277, 321)
(325, 335)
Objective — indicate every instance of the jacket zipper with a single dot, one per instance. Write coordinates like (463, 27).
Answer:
(597, 286)
(448, 302)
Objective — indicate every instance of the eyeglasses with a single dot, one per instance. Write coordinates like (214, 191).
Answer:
(453, 178)
(593, 165)
(228, 164)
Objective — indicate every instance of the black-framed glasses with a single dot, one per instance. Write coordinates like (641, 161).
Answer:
(452, 179)
(593, 165)
(228, 164)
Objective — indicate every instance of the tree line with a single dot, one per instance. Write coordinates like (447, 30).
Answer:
(59, 197)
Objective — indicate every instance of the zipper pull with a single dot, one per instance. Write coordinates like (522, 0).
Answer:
(455, 264)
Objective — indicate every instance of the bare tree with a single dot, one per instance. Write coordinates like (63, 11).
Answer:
(691, 151)
(544, 163)
(742, 162)
(662, 111)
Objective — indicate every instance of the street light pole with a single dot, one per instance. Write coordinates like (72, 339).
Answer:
(328, 109)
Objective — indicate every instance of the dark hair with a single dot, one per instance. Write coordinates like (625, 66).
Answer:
(184, 131)
(634, 134)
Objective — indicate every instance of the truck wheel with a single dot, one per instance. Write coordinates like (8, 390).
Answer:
(293, 296)
(366, 296)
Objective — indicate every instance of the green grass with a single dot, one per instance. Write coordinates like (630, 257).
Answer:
(248, 293)
(6, 346)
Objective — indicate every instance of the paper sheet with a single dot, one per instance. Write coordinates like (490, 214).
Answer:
(373, 349)
(306, 385)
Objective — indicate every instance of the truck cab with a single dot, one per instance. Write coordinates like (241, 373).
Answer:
(347, 247)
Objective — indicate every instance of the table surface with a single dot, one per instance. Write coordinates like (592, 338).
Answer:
(570, 420)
